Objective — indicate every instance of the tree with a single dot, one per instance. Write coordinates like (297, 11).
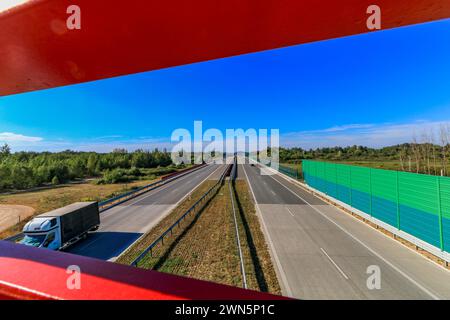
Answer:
(444, 134)
(5, 150)
(92, 164)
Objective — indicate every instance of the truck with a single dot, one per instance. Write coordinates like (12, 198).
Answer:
(60, 228)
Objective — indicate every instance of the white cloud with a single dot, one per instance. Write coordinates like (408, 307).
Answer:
(93, 144)
(371, 135)
(14, 137)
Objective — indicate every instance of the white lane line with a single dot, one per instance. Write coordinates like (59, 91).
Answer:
(163, 215)
(273, 192)
(334, 263)
(84, 246)
(289, 210)
(151, 193)
(269, 240)
(195, 185)
(428, 292)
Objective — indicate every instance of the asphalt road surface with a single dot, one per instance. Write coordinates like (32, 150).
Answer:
(120, 226)
(320, 252)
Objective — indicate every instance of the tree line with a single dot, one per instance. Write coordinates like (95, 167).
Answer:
(23, 170)
(428, 153)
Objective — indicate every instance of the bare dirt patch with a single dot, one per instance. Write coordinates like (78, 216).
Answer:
(13, 214)
(49, 199)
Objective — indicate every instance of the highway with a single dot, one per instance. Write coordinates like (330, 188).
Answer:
(124, 224)
(320, 252)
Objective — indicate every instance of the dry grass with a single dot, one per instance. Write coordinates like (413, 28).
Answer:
(204, 247)
(260, 272)
(131, 254)
(48, 199)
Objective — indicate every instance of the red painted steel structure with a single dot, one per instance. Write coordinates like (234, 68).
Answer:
(30, 273)
(37, 51)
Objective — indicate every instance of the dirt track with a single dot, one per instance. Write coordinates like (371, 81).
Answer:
(10, 214)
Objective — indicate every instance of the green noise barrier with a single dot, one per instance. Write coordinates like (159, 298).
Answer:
(417, 204)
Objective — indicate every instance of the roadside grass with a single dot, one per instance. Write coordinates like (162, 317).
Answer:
(204, 247)
(260, 273)
(132, 253)
(49, 199)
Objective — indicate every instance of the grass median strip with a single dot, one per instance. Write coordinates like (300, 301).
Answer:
(260, 272)
(204, 246)
(133, 252)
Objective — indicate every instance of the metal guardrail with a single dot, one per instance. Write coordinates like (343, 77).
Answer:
(15, 237)
(125, 196)
(141, 190)
(294, 173)
(176, 223)
(238, 240)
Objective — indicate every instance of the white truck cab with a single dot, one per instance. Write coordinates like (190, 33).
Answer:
(43, 233)
(62, 227)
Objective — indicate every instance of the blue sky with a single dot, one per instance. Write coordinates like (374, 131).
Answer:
(374, 89)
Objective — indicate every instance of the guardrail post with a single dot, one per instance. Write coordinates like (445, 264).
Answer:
(370, 191)
(398, 202)
(336, 180)
(351, 187)
(441, 231)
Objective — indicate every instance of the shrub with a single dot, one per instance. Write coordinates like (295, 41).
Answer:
(55, 180)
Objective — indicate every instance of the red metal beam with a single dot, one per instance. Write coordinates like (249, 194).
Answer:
(37, 51)
(31, 273)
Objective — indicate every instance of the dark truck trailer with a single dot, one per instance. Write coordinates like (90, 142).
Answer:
(62, 227)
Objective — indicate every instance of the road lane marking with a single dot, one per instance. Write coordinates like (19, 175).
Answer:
(194, 185)
(84, 246)
(273, 192)
(150, 193)
(164, 214)
(334, 263)
(269, 240)
(428, 292)
(289, 210)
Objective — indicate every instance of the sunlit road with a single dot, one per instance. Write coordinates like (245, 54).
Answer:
(321, 252)
(125, 223)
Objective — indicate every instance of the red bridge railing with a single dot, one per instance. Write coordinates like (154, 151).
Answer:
(38, 51)
(32, 273)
